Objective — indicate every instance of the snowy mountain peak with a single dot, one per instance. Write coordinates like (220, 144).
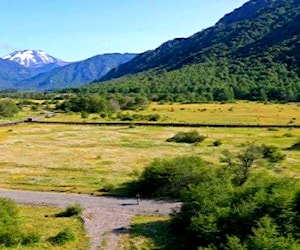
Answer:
(31, 58)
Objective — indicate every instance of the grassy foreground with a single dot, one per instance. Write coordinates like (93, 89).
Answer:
(147, 232)
(41, 220)
(90, 159)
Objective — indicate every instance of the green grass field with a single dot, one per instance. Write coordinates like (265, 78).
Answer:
(86, 159)
(41, 220)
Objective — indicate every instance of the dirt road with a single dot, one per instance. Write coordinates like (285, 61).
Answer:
(102, 215)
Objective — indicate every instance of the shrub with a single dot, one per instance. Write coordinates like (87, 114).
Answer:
(84, 115)
(153, 118)
(131, 125)
(34, 108)
(31, 238)
(125, 117)
(217, 143)
(187, 137)
(103, 115)
(73, 210)
(273, 129)
(272, 153)
(10, 233)
(251, 155)
(8, 108)
(62, 237)
(167, 178)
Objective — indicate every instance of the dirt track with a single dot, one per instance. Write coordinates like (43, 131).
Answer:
(102, 215)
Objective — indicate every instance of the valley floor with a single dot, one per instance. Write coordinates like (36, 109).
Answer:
(97, 160)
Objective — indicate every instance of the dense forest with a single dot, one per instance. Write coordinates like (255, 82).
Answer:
(256, 58)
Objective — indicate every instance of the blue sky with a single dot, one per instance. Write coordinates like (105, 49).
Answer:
(77, 29)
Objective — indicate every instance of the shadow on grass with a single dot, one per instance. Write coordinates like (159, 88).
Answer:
(128, 189)
(157, 233)
(295, 147)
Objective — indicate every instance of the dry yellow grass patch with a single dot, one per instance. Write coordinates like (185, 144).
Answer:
(230, 113)
(215, 113)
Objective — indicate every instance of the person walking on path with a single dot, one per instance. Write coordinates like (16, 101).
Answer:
(137, 199)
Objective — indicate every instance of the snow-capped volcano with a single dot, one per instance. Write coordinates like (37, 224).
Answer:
(32, 58)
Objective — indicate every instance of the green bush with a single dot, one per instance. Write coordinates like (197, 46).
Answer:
(272, 153)
(187, 137)
(103, 115)
(125, 117)
(167, 178)
(153, 117)
(31, 238)
(217, 143)
(62, 237)
(262, 214)
(8, 108)
(10, 232)
(84, 115)
(242, 163)
(73, 210)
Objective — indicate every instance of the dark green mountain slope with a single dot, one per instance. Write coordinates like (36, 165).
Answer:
(251, 53)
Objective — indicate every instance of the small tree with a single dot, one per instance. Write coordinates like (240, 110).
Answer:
(242, 164)
(8, 108)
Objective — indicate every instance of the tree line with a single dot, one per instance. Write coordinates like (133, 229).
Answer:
(230, 206)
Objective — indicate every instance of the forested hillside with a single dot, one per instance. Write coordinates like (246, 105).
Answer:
(254, 56)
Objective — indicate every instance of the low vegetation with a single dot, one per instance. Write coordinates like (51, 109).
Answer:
(8, 108)
(62, 237)
(167, 177)
(11, 233)
(187, 137)
(72, 210)
(232, 207)
(26, 227)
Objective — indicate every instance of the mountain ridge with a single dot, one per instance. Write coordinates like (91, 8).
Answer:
(76, 73)
(175, 53)
(253, 59)
(22, 70)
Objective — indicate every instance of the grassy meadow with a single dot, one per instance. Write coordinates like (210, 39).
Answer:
(95, 159)
(214, 113)
(41, 221)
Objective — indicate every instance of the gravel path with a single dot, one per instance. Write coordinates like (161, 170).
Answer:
(103, 216)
